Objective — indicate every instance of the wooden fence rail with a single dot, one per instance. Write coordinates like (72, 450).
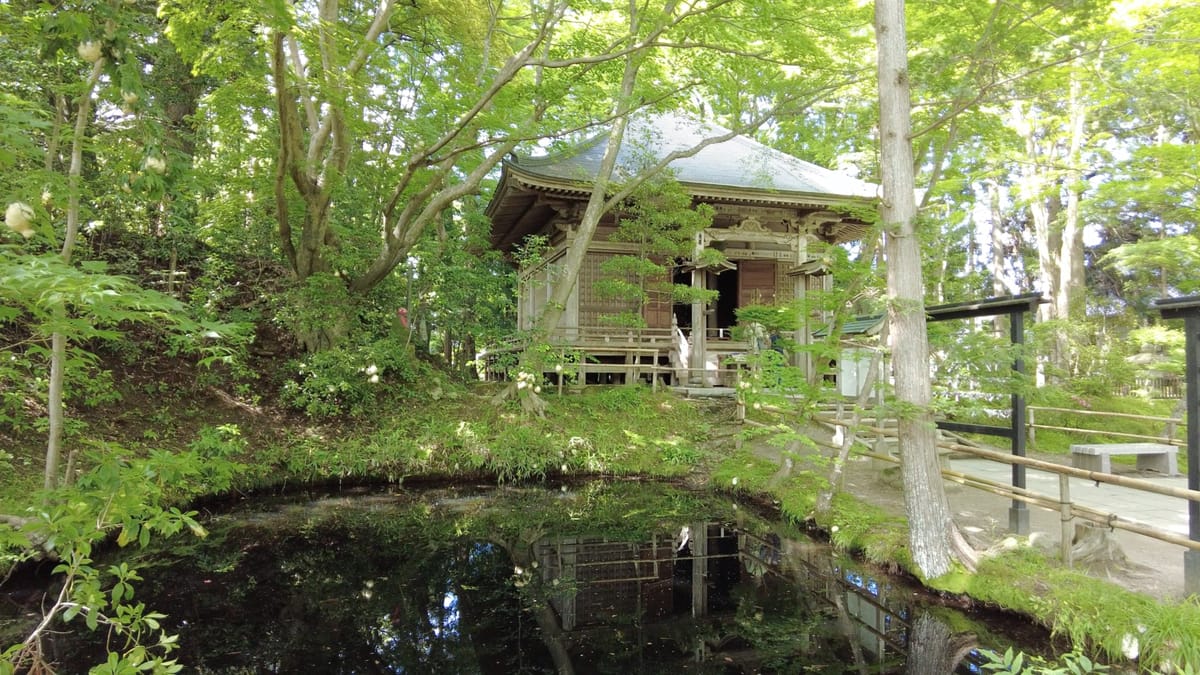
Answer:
(1167, 437)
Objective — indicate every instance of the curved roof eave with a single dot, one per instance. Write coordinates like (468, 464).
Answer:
(731, 193)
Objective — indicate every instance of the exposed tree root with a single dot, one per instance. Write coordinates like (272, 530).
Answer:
(1097, 550)
(532, 403)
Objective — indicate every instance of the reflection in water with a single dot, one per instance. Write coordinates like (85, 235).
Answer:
(606, 579)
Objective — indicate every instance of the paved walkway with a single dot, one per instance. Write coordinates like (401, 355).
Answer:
(1157, 567)
(1161, 511)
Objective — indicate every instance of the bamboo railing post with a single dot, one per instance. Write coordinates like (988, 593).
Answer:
(1068, 533)
(1030, 433)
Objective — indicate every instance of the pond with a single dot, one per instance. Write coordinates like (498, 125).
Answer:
(596, 578)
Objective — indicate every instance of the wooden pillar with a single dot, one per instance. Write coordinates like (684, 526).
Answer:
(1018, 513)
(1188, 309)
(699, 569)
(802, 358)
(699, 332)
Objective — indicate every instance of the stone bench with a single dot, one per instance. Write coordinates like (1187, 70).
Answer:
(1158, 457)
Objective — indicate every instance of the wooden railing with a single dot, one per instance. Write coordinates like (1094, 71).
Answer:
(1063, 504)
(1167, 386)
(639, 350)
(1172, 427)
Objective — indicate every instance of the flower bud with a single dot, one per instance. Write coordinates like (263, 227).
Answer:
(19, 217)
(89, 51)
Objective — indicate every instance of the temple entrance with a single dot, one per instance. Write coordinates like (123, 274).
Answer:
(682, 310)
(727, 302)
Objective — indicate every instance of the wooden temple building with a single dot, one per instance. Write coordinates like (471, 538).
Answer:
(774, 217)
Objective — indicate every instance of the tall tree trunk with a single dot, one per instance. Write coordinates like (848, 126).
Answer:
(924, 494)
(1070, 301)
(1041, 192)
(56, 413)
(999, 249)
(932, 648)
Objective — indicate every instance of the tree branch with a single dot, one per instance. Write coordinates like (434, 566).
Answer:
(320, 137)
(310, 109)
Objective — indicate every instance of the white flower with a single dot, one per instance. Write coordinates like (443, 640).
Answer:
(521, 384)
(537, 390)
(89, 51)
(1130, 647)
(735, 480)
(371, 369)
(564, 468)
(757, 405)
(18, 217)
(518, 570)
(374, 379)
(834, 529)
(47, 197)
(156, 164)
(558, 368)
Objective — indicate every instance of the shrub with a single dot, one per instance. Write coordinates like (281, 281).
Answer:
(347, 380)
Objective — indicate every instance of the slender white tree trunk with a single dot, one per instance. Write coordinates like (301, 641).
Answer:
(58, 341)
(1069, 300)
(924, 494)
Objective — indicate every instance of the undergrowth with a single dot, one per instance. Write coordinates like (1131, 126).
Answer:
(1090, 612)
(613, 431)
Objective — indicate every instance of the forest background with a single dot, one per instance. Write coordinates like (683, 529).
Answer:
(297, 173)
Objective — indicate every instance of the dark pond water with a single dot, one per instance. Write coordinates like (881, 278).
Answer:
(599, 578)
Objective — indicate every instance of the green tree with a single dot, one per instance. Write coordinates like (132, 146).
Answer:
(370, 147)
(77, 114)
(1147, 205)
